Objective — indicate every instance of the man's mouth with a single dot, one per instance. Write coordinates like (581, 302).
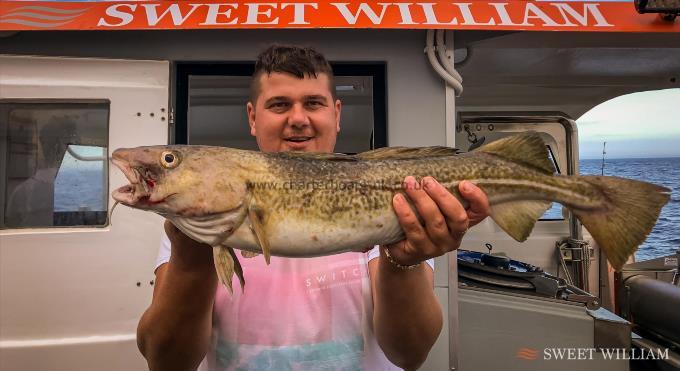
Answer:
(298, 142)
(298, 139)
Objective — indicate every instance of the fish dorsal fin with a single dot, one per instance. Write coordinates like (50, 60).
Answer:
(315, 156)
(526, 148)
(407, 152)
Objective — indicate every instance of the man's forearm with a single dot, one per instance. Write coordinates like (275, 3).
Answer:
(174, 332)
(407, 316)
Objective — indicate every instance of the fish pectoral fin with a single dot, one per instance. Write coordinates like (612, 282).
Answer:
(517, 218)
(248, 254)
(256, 217)
(226, 264)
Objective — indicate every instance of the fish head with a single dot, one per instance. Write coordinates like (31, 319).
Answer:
(186, 181)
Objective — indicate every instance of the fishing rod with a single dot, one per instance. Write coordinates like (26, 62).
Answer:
(604, 152)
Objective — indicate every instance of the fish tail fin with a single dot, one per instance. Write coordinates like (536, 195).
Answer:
(226, 264)
(632, 208)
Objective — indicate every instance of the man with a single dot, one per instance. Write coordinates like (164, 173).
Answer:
(343, 312)
(31, 202)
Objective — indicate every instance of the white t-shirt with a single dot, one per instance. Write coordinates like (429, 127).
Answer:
(295, 314)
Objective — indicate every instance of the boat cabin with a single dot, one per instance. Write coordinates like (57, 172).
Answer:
(80, 79)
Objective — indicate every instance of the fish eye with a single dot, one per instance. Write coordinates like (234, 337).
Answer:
(169, 159)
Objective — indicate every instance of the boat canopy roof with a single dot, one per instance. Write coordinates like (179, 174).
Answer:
(509, 15)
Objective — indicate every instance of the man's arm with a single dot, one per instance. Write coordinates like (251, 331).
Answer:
(174, 332)
(407, 317)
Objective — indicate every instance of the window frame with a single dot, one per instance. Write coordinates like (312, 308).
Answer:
(106, 171)
(180, 71)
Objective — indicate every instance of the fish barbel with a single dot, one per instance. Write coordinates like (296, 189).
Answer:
(298, 204)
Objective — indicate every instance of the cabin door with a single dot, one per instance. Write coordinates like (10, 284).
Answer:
(74, 282)
(561, 138)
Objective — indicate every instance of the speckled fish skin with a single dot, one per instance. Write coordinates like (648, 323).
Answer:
(318, 204)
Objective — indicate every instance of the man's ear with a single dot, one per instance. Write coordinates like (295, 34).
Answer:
(338, 110)
(250, 109)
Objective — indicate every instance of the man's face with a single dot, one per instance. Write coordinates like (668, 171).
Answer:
(293, 114)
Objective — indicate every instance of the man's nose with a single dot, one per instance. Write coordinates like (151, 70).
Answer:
(298, 116)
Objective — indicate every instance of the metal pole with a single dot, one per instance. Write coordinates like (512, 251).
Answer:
(676, 276)
(580, 256)
(604, 152)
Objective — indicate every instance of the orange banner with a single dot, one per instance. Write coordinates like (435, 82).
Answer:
(566, 15)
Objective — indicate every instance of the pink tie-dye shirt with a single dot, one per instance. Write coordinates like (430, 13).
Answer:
(295, 314)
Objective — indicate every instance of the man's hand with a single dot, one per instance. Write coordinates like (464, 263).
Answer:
(444, 219)
(407, 316)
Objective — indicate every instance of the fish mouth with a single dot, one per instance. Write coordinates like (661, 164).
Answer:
(131, 196)
(140, 191)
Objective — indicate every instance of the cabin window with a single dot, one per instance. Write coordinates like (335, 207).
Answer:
(53, 157)
(211, 105)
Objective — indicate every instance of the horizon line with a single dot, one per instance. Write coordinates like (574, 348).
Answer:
(631, 158)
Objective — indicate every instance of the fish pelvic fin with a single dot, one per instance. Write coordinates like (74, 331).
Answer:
(238, 269)
(226, 264)
(526, 148)
(256, 217)
(632, 208)
(517, 218)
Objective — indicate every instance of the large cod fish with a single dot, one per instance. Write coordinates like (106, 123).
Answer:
(298, 204)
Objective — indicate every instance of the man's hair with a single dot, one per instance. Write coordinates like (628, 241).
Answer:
(294, 60)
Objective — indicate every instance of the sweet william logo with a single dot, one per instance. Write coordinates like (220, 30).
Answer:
(585, 354)
(527, 354)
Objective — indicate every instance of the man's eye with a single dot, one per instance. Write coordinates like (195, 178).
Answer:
(278, 105)
(314, 103)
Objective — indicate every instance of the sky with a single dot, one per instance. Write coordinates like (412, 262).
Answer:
(637, 125)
